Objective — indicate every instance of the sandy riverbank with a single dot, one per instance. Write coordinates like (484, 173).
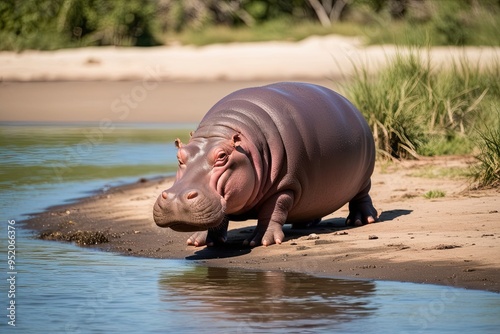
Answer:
(327, 57)
(451, 240)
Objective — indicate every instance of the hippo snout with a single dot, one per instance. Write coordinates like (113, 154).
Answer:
(187, 210)
(183, 196)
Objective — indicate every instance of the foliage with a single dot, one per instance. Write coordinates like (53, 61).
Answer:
(434, 194)
(53, 24)
(416, 110)
(277, 29)
(487, 172)
(436, 172)
(428, 22)
(390, 104)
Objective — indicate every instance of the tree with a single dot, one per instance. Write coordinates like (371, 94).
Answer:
(328, 11)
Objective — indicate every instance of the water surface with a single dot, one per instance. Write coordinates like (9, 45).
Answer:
(61, 288)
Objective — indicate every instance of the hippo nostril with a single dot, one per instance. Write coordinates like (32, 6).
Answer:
(192, 194)
(164, 195)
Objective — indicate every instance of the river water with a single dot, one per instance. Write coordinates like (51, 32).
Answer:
(62, 288)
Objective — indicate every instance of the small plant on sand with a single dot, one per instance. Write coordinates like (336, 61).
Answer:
(487, 172)
(434, 194)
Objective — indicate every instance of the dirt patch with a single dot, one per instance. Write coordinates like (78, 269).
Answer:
(82, 238)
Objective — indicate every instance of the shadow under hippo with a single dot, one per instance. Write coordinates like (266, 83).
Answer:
(234, 247)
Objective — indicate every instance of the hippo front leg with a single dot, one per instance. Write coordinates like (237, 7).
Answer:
(271, 218)
(212, 236)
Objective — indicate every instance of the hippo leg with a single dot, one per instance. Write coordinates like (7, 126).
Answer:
(361, 209)
(213, 236)
(271, 218)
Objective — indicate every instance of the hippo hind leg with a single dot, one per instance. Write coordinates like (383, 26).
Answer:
(211, 237)
(361, 209)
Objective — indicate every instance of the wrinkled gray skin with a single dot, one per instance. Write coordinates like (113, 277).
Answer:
(282, 153)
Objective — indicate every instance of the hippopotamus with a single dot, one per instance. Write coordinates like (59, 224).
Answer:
(283, 153)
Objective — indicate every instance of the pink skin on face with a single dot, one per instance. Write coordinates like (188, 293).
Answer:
(217, 171)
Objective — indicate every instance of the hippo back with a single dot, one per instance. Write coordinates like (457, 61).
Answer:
(301, 137)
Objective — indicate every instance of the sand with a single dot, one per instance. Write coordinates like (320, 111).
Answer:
(313, 58)
(451, 240)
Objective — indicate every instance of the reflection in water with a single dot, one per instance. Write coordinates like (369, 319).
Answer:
(268, 299)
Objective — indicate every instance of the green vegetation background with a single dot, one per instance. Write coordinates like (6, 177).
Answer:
(53, 24)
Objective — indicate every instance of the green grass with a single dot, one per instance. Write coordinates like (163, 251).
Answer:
(284, 29)
(487, 172)
(437, 145)
(25, 136)
(433, 172)
(431, 194)
(414, 109)
(482, 31)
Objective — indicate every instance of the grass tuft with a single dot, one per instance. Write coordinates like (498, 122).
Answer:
(414, 109)
(487, 172)
(434, 194)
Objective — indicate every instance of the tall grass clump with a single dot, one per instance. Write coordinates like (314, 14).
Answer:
(487, 172)
(414, 109)
(390, 102)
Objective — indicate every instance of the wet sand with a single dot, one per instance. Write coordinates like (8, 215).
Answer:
(81, 101)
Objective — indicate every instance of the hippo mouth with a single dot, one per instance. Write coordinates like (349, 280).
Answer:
(185, 226)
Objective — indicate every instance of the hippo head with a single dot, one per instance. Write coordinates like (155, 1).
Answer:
(215, 178)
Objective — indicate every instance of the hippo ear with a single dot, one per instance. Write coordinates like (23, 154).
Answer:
(191, 133)
(236, 140)
(178, 143)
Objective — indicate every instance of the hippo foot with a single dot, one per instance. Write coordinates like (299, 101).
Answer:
(266, 235)
(361, 212)
(212, 237)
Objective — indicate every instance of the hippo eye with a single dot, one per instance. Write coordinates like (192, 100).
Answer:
(180, 162)
(221, 159)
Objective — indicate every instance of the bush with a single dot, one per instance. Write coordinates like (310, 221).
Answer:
(53, 24)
